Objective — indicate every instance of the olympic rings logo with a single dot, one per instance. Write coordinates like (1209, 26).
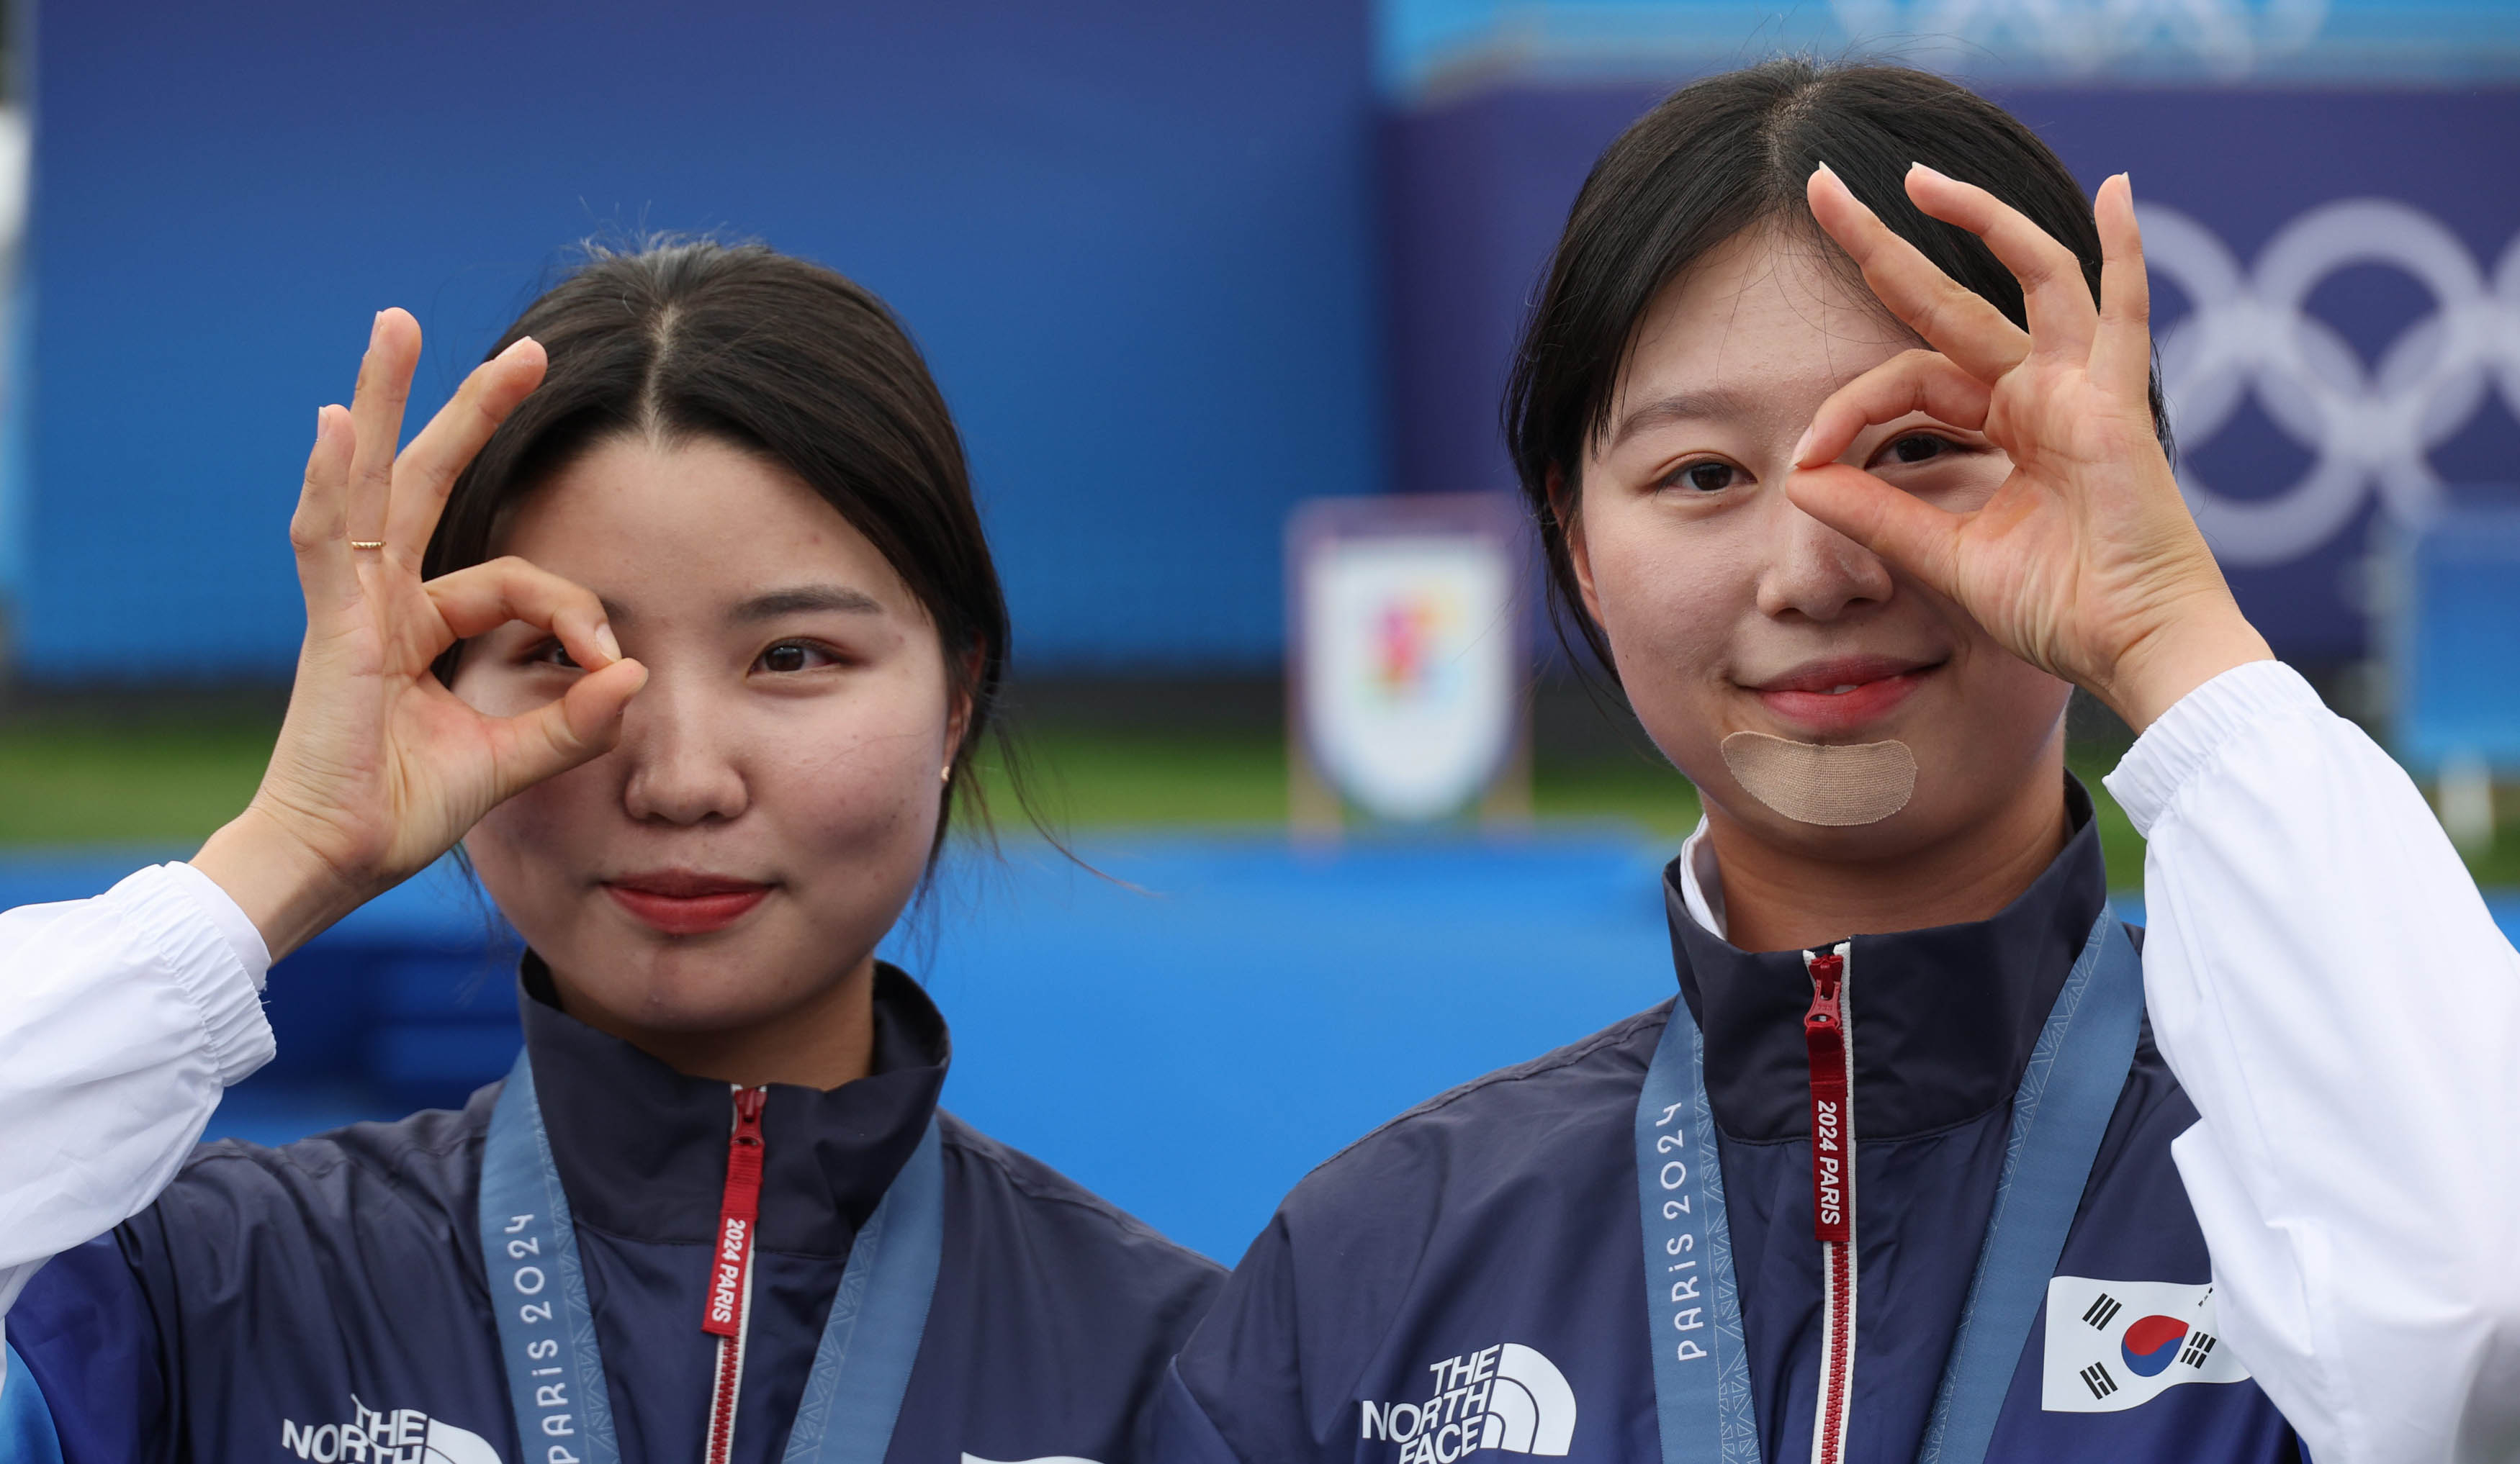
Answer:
(2365, 429)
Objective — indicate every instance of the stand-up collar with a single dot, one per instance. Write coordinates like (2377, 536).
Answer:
(1943, 1020)
(641, 1148)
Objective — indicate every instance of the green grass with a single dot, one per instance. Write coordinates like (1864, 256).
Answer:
(1104, 779)
(170, 783)
(74, 782)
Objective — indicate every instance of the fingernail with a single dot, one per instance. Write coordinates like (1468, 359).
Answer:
(1802, 446)
(322, 423)
(1919, 167)
(375, 327)
(516, 345)
(1824, 169)
(603, 637)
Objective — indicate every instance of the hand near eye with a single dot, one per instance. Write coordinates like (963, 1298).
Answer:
(2086, 563)
(379, 769)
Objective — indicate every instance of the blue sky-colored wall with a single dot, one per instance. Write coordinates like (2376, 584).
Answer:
(1137, 241)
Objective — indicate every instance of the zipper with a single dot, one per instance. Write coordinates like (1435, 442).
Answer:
(729, 1293)
(1830, 1049)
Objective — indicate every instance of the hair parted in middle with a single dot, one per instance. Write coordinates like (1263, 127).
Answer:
(784, 359)
(1735, 153)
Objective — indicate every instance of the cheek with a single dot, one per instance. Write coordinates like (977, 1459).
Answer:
(1669, 593)
(498, 687)
(1963, 487)
(2006, 709)
(1984, 732)
(536, 837)
(857, 778)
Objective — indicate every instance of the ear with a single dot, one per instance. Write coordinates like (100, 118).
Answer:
(1568, 504)
(957, 700)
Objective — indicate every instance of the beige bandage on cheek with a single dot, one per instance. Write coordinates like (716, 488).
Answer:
(1811, 782)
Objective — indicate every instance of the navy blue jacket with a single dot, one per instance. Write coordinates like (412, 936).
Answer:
(269, 1293)
(1500, 1220)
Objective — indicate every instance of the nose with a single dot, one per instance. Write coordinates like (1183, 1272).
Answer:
(1814, 571)
(679, 749)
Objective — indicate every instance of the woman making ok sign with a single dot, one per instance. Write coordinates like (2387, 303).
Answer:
(680, 618)
(1837, 424)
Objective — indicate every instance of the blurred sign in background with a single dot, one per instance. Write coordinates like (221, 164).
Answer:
(1178, 269)
(1407, 659)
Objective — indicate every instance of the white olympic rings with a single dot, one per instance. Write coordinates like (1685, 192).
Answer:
(2364, 428)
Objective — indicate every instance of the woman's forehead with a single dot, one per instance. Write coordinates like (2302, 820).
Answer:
(1766, 309)
(691, 521)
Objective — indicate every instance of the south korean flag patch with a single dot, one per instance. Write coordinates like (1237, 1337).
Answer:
(2116, 1345)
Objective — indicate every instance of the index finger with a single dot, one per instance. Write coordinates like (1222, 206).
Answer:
(1954, 319)
(2055, 298)
(375, 411)
(428, 467)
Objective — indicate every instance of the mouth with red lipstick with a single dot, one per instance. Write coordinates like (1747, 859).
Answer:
(686, 902)
(1842, 693)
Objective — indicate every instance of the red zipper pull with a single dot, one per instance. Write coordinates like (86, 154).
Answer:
(1825, 1040)
(737, 1217)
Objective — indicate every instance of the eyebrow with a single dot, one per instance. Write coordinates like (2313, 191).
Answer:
(798, 599)
(806, 599)
(1686, 406)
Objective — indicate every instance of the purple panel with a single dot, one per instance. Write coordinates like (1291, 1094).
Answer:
(1481, 185)
(1478, 190)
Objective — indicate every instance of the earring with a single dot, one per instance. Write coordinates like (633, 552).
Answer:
(945, 773)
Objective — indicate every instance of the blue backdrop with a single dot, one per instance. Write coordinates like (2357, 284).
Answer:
(1145, 247)
(1135, 238)
(1481, 185)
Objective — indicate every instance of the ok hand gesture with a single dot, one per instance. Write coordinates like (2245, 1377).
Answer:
(2086, 563)
(379, 769)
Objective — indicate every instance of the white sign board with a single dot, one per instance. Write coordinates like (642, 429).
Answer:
(1409, 656)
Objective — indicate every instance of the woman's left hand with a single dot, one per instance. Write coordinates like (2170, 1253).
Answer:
(2086, 563)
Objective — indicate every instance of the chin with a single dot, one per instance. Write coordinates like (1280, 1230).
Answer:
(1904, 832)
(722, 986)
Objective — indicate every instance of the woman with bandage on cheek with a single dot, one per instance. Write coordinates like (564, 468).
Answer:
(1837, 420)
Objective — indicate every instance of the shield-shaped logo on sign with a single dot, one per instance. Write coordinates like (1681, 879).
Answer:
(1408, 648)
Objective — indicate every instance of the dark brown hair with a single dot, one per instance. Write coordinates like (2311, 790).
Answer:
(1724, 154)
(782, 358)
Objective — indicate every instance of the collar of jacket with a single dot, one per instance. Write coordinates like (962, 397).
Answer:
(1943, 1019)
(641, 1148)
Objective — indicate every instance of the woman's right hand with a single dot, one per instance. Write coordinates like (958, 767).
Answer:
(379, 769)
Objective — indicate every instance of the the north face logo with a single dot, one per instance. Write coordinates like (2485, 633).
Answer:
(405, 1436)
(1507, 1398)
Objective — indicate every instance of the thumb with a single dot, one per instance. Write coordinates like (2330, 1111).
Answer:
(558, 735)
(1909, 533)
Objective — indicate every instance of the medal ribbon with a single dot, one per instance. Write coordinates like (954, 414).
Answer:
(555, 1366)
(2059, 1111)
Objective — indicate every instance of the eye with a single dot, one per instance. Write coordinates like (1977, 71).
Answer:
(788, 658)
(1706, 475)
(1919, 447)
(549, 652)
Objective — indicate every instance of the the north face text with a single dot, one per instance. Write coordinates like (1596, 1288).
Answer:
(1506, 1396)
(404, 1436)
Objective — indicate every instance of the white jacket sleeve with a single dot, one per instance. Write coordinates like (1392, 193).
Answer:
(2329, 989)
(124, 1017)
